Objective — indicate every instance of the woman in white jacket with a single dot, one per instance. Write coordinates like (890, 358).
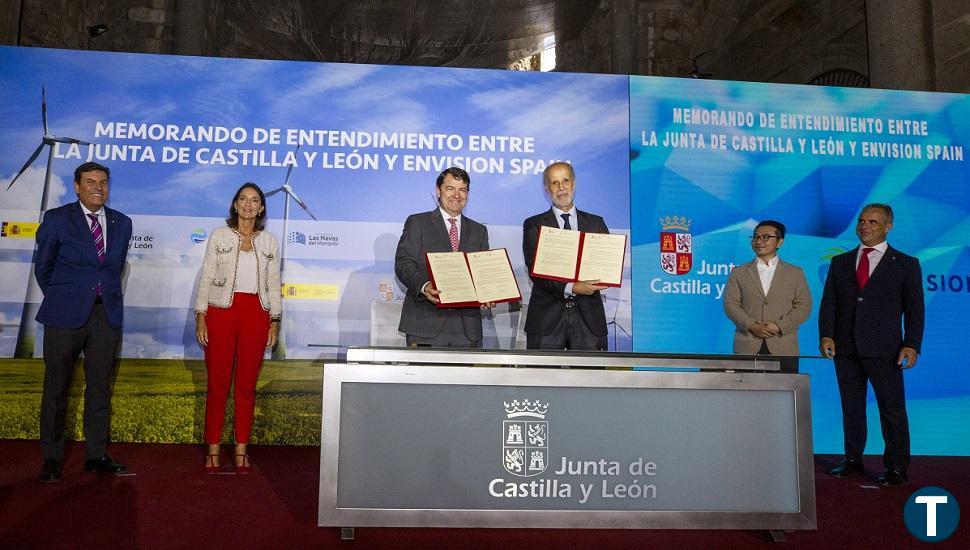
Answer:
(237, 316)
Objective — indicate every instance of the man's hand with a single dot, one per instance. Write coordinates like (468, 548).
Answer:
(826, 346)
(761, 329)
(907, 358)
(588, 288)
(431, 293)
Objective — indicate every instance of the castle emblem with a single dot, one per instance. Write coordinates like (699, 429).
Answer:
(676, 245)
(525, 438)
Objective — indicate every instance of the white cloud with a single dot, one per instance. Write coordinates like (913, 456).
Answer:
(26, 193)
(565, 113)
(143, 344)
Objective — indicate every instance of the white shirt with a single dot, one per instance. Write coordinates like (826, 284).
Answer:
(446, 216)
(766, 272)
(102, 219)
(247, 279)
(874, 257)
(572, 218)
(573, 223)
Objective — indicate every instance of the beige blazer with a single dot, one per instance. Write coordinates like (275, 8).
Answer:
(788, 304)
(217, 285)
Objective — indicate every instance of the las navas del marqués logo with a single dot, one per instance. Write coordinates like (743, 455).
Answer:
(525, 439)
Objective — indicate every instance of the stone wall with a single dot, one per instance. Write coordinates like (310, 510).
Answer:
(901, 44)
(134, 25)
(951, 45)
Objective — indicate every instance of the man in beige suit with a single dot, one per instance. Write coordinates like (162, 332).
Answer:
(767, 298)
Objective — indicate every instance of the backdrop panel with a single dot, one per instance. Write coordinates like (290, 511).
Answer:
(359, 145)
(709, 159)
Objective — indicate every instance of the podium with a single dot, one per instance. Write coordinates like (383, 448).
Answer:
(458, 438)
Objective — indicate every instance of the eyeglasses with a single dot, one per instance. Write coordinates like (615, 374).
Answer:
(762, 238)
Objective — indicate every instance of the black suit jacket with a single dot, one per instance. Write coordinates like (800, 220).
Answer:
(882, 317)
(67, 267)
(547, 304)
(423, 233)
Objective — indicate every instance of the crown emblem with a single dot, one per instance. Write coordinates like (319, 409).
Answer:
(517, 408)
(675, 222)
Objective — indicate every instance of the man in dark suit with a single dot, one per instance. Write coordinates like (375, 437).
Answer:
(563, 315)
(81, 252)
(871, 323)
(444, 229)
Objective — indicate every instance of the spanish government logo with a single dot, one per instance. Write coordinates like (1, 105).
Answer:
(676, 245)
(525, 438)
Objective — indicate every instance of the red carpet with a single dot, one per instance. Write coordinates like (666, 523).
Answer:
(170, 503)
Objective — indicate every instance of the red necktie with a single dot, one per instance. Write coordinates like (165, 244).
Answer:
(862, 271)
(453, 233)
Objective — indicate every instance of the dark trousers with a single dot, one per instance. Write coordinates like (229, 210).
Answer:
(452, 335)
(570, 332)
(886, 378)
(99, 342)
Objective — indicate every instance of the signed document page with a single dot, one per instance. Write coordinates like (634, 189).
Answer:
(449, 274)
(494, 279)
(602, 258)
(557, 253)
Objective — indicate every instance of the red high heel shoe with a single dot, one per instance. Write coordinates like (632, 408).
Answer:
(245, 467)
(211, 465)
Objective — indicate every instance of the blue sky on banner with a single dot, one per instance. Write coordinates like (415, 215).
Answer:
(582, 118)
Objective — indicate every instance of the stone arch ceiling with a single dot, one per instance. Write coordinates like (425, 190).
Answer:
(484, 33)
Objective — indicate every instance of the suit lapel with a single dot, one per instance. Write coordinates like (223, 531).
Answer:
(439, 231)
(778, 278)
(549, 219)
(111, 243)
(885, 264)
(462, 234)
(752, 269)
(82, 228)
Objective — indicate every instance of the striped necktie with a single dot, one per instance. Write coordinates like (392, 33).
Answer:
(98, 235)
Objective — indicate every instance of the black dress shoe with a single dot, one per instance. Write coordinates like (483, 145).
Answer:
(892, 477)
(104, 465)
(848, 468)
(51, 471)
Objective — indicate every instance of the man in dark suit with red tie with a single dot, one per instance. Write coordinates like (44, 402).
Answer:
(81, 252)
(871, 323)
(563, 315)
(444, 229)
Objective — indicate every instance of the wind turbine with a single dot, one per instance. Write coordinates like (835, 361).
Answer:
(280, 351)
(25, 337)
(47, 140)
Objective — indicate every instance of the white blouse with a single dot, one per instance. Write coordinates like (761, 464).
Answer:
(246, 278)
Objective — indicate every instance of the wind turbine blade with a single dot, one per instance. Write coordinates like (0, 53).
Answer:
(273, 192)
(288, 172)
(70, 140)
(302, 204)
(43, 108)
(27, 164)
